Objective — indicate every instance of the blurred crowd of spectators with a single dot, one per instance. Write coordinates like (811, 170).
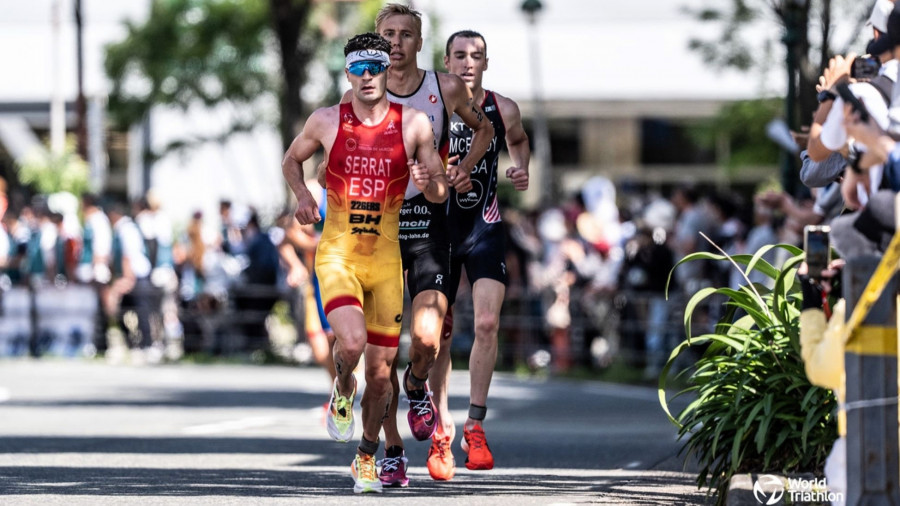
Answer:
(588, 277)
(600, 264)
(154, 285)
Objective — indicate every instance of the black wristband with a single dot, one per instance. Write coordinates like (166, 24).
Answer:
(825, 96)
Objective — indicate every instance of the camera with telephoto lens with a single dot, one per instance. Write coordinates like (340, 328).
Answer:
(865, 67)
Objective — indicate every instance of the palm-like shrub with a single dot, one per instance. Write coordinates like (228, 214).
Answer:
(752, 407)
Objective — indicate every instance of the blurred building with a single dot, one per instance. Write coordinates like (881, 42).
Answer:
(620, 86)
(245, 169)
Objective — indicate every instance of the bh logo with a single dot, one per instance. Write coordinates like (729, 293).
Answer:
(768, 489)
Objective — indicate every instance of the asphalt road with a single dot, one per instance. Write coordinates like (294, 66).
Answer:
(88, 433)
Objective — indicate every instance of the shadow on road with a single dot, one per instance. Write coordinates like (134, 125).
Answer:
(556, 454)
(558, 441)
(197, 398)
(172, 445)
(613, 487)
(185, 398)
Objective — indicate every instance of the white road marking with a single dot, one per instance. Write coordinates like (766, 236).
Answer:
(153, 461)
(229, 425)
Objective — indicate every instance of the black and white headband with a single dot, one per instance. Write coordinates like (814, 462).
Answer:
(368, 55)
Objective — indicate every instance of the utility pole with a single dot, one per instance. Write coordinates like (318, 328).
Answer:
(80, 105)
(793, 16)
(541, 133)
(57, 104)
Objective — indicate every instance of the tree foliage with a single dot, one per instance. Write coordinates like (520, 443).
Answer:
(743, 124)
(210, 52)
(48, 172)
(727, 50)
(236, 51)
(806, 26)
(189, 51)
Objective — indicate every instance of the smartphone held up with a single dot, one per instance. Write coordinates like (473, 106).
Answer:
(817, 248)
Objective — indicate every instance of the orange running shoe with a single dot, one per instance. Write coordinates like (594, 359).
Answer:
(441, 465)
(476, 448)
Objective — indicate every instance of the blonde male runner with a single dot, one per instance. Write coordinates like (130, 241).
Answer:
(423, 225)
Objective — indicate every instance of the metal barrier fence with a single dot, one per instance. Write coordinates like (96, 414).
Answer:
(48, 320)
(635, 327)
(604, 327)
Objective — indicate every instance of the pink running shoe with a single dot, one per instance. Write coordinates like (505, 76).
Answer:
(393, 470)
(422, 416)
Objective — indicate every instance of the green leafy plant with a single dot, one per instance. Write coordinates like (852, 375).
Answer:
(752, 407)
(49, 172)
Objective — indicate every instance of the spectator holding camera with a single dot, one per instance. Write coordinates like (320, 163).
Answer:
(869, 230)
(863, 98)
(868, 80)
(828, 151)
